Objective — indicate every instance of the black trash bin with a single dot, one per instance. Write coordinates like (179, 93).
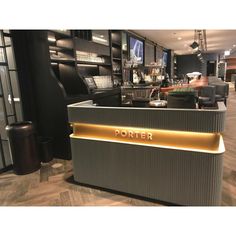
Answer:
(24, 148)
(45, 149)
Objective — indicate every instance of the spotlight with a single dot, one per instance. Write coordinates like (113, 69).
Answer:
(199, 54)
(194, 45)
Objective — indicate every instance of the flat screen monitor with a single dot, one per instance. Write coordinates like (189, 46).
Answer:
(164, 58)
(136, 50)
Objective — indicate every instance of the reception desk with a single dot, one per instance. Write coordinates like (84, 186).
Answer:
(171, 155)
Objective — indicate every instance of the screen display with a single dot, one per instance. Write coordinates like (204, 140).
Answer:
(136, 50)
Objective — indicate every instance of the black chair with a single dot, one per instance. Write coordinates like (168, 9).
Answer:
(177, 99)
(207, 96)
(222, 91)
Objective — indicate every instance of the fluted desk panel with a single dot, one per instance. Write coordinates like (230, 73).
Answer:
(172, 155)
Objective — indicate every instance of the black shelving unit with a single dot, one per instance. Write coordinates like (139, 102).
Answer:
(63, 60)
(51, 76)
(61, 33)
(116, 56)
(116, 44)
(98, 58)
(49, 83)
(93, 63)
(60, 48)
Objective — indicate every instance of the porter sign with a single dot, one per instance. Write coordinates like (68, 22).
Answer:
(181, 140)
(133, 134)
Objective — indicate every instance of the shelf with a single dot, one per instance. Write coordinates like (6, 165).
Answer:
(59, 48)
(116, 58)
(92, 47)
(153, 66)
(116, 44)
(93, 63)
(114, 73)
(61, 33)
(62, 60)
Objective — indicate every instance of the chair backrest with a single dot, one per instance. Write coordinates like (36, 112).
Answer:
(221, 89)
(181, 100)
(227, 89)
(208, 91)
(212, 79)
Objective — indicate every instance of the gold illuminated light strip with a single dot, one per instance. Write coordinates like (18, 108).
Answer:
(182, 140)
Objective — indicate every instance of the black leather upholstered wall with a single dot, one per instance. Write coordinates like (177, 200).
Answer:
(43, 97)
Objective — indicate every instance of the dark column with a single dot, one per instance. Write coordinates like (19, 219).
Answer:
(43, 97)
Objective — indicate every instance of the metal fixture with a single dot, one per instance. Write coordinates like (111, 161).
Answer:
(194, 45)
(199, 44)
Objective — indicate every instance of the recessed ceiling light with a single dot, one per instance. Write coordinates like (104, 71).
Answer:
(234, 45)
(179, 38)
(227, 53)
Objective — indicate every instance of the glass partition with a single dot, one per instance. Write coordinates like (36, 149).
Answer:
(2, 57)
(10, 99)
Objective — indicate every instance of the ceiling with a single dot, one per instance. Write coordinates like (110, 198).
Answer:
(217, 40)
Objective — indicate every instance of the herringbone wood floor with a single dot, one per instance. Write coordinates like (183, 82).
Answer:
(49, 185)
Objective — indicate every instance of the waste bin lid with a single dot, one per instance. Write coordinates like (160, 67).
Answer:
(23, 128)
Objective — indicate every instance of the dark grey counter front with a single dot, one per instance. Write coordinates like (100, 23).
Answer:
(184, 176)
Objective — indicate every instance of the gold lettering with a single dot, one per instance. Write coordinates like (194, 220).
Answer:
(136, 134)
(123, 133)
(117, 132)
(149, 136)
(143, 135)
(131, 134)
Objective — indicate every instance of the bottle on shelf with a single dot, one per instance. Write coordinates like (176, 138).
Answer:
(166, 81)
